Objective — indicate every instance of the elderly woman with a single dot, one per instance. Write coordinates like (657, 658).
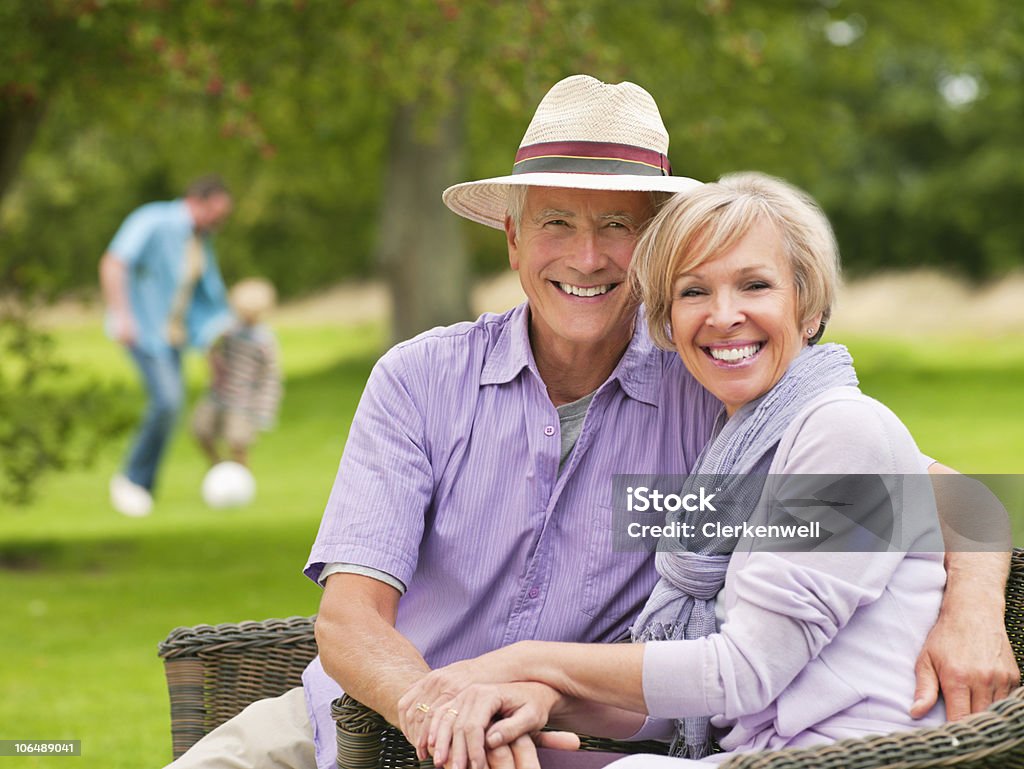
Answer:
(798, 648)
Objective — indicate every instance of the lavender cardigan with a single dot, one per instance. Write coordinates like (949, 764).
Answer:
(814, 647)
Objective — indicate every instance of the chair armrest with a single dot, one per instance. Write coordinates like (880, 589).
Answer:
(993, 738)
(214, 671)
(986, 740)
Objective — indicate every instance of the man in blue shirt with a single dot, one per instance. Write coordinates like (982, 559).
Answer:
(164, 293)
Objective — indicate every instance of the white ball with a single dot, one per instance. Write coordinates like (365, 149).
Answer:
(228, 484)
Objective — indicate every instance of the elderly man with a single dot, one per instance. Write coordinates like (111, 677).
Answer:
(163, 292)
(472, 504)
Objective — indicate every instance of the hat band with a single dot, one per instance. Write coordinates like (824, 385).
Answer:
(590, 158)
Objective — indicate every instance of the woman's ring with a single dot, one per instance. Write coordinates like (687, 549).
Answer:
(423, 707)
(453, 711)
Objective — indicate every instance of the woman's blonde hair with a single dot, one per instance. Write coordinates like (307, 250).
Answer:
(697, 226)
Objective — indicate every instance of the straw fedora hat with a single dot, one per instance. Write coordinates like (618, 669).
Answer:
(585, 135)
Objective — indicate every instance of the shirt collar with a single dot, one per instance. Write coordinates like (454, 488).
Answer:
(182, 217)
(511, 353)
(184, 214)
(638, 371)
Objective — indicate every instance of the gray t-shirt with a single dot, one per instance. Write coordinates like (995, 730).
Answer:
(570, 420)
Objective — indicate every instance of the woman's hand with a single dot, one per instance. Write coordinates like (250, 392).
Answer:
(418, 707)
(462, 732)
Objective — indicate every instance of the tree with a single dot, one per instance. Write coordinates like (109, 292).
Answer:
(431, 62)
(47, 423)
(422, 252)
(900, 118)
(409, 69)
(47, 45)
(129, 99)
(51, 48)
(354, 75)
(339, 123)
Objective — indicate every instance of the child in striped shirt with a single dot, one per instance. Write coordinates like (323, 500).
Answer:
(245, 387)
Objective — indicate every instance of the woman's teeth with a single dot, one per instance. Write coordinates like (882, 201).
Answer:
(733, 354)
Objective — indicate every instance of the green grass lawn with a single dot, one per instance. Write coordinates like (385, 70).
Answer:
(963, 399)
(88, 594)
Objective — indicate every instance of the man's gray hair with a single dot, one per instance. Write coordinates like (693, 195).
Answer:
(516, 204)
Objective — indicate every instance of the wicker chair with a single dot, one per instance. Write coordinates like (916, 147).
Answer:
(214, 672)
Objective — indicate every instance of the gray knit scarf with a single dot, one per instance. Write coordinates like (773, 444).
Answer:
(682, 603)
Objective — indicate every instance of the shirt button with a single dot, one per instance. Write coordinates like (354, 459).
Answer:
(534, 592)
(549, 430)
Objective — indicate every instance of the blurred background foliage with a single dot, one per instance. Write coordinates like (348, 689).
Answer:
(338, 123)
(903, 119)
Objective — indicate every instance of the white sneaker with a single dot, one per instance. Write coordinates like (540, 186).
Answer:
(129, 498)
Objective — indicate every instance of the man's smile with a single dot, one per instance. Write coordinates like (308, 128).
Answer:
(585, 291)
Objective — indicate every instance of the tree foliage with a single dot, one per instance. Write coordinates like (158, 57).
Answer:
(295, 103)
(338, 123)
(901, 118)
(48, 420)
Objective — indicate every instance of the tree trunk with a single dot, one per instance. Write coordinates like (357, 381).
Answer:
(18, 125)
(421, 247)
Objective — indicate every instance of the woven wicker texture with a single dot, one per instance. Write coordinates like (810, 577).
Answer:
(215, 671)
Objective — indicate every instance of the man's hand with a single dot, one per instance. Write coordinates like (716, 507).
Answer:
(970, 660)
(521, 753)
(114, 285)
(124, 329)
(968, 653)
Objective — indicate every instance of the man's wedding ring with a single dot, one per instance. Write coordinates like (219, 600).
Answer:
(423, 707)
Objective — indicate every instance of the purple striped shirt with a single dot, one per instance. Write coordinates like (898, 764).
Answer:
(449, 482)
